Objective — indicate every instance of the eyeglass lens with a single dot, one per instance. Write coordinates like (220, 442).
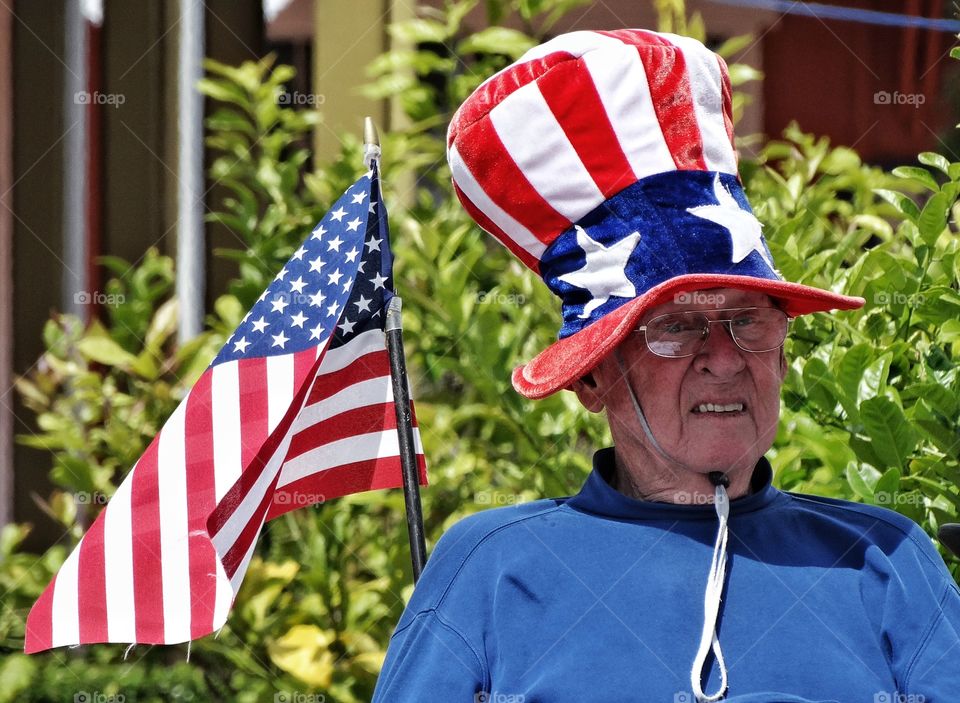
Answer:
(684, 333)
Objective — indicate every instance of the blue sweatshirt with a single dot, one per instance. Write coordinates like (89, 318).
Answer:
(600, 597)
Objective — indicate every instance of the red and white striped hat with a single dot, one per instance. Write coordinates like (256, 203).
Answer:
(605, 162)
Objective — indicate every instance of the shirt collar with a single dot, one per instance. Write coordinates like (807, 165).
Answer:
(599, 497)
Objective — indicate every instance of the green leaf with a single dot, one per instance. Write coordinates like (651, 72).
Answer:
(933, 218)
(888, 429)
(886, 489)
(497, 40)
(105, 351)
(930, 158)
(921, 175)
(857, 483)
(901, 202)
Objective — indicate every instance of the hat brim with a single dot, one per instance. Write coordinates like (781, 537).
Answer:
(568, 359)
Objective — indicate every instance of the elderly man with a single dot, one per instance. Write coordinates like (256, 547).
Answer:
(605, 162)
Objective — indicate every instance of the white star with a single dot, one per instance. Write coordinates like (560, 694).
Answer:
(335, 243)
(373, 244)
(298, 254)
(260, 325)
(279, 340)
(241, 346)
(319, 231)
(352, 254)
(346, 286)
(316, 332)
(354, 224)
(373, 206)
(316, 264)
(363, 305)
(278, 305)
(332, 310)
(346, 326)
(378, 281)
(338, 214)
(282, 273)
(298, 320)
(744, 228)
(359, 198)
(262, 296)
(298, 284)
(317, 298)
(360, 267)
(603, 272)
(334, 277)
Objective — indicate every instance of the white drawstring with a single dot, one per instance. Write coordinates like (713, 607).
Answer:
(711, 605)
(718, 565)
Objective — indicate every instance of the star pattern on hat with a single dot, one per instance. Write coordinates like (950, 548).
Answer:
(603, 273)
(744, 228)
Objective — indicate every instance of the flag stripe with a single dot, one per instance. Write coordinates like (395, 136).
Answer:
(65, 612)
(253, 406)
(118, 563)
(147, 549)
(201, 500)
(225, 407)
(372, 365)
(92, 586)
(39, 627)
(528, 257)
(357, 447)
(346, 422)
(353, 477)
(279, 388)
(172, 495)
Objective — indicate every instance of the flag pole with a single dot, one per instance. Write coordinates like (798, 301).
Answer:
(401, 396)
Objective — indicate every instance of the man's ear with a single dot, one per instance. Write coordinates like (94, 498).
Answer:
(586, 389)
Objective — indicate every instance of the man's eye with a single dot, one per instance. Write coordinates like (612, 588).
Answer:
(744, 321)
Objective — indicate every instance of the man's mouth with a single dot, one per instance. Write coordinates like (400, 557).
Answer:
(718, 408)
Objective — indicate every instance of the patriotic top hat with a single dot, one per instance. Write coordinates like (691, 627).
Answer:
(605, 162)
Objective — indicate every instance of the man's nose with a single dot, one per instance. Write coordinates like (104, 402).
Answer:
(720, 355)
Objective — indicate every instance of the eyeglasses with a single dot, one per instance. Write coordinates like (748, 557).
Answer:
(679, 334)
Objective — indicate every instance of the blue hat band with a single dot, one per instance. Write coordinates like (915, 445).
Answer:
(667, 225)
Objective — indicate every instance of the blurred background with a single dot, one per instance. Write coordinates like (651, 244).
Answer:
(112, 168)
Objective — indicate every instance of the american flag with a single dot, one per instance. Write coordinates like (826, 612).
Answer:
(297, 408)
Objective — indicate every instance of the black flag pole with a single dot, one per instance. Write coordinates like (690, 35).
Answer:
(401, 395)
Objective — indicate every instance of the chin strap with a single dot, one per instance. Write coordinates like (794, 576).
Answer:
(713, 593)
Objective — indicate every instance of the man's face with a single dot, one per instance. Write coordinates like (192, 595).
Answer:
(674, 391)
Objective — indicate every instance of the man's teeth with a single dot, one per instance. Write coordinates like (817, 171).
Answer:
(711, 408)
